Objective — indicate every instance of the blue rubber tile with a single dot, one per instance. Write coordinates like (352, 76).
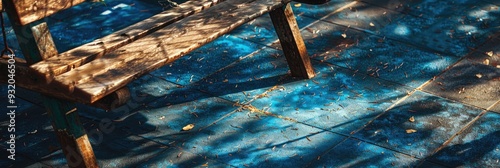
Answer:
(163, 120)
(35, 137)
(435, 121)
(94, 20)
(21, 104)
(477, 146)
(324, 39)
(261, 29)
(247, 78)
(318, 11)
(440, 35)
(356, 153)
(478, 22)
(175, 157)
(242, 81)
(142, 91)
(392, 60)
(492, 2)
(112, 149)
(335, 99)
(470, 81)
(363, 16)
(20, 161)
(427, 164)
(207, 60)
(428, 8)
(252, 140)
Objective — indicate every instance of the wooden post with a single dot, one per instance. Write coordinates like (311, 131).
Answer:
(36, 44)
(291, 41)
(70, 132)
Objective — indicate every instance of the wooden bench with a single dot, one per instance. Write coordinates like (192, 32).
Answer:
(97, 72)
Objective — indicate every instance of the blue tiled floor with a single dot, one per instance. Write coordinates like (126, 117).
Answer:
(383, 68)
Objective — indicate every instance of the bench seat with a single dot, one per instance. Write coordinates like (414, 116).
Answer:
(92, 71)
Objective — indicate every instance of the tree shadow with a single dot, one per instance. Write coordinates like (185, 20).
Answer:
(464, 154)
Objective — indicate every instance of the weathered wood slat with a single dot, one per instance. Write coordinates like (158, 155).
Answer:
(47, 69)
(29, 11)
(24, 79)
(162, 47)
(44, 40)
(291, 41)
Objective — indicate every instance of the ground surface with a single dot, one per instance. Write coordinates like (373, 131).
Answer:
(383, 68)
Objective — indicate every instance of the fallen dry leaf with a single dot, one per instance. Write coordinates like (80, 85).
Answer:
(188, 127)
(490, 53)
(297, 5)
(344, 35)
(409, 131)
(371, 24)
(412, 119)
(479, 76)
(486, 62)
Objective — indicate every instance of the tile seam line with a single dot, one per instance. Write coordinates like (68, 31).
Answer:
(351, 135)
(449, 140)
(169, 145)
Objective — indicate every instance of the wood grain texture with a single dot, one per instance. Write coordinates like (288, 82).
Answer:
(43, 39)
(48, 68)
(70, 132)
(29, 11)
(291, 41)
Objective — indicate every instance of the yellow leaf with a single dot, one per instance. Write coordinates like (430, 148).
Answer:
(188, 127)
(409, 131)
(412, 119)
(297, 5)
(490, 53)
(486, 62)
(344, 35)
(371, 24)
(479, 75)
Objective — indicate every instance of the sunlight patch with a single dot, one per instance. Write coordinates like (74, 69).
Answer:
(107, 12)
(479, 14)
(468, 29)
(402, 30)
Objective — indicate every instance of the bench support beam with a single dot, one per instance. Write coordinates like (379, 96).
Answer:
(291, 41)
(70, 132)
(36, 44)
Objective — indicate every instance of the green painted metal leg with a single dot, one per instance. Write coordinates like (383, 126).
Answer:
(70, 132)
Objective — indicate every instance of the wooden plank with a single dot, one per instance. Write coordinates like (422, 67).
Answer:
(47, 69)
(291, 41)
(44, 40)
(163, 47)
(29, 11)
(29, 35)
(25, 80)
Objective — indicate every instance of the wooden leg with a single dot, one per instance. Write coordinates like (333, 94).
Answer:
(70, 132)
(291, 41)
